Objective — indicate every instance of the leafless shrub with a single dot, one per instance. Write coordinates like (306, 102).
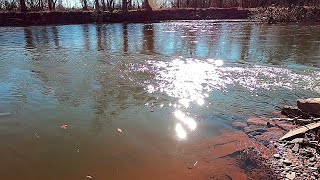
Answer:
(283, 14)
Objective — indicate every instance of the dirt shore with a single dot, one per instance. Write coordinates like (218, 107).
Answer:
(47, 18)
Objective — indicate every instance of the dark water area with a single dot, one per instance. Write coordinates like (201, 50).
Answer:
(163, 85)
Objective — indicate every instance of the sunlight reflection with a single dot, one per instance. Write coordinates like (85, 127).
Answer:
(191, 123)
(184, 102)
(200, 101)
(218, 62)
(150, 89)
(192, 80)
(189, 79)
(181, 133)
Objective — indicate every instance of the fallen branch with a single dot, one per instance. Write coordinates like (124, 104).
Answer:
(300, 130)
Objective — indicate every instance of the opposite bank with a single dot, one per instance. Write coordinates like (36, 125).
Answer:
(47, 18)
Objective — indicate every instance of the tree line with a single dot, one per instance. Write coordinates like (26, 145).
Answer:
(126, 5)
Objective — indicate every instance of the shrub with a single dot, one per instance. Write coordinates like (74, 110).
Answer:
(282, 14)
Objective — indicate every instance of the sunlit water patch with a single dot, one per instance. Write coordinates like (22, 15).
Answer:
(193, 80)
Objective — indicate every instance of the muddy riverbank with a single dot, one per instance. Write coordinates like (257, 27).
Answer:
(47, 18)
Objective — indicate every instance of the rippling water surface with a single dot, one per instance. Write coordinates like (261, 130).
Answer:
(131, 94)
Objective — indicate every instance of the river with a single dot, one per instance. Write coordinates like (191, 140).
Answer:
(118, 101)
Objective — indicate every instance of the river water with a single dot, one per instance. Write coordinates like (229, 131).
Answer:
(117, 101)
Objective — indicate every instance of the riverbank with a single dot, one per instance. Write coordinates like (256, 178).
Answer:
(287, 147)
(48, 18)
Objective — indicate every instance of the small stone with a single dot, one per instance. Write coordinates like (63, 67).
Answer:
(295, 147)
(313, 168)
(269, 125)
(311, 164)
(287, 162)
(312, 159)
(277, 156)
(291, 175)
(287, 169)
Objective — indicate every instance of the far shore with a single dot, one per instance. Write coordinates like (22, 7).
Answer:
(80, 17)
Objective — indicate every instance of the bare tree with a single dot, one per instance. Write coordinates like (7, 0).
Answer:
(147, 5)
(23, 7)
(50, 5)
(97, 6)
(110, 5)
(84, 5)
(124, 6)
(103, 2)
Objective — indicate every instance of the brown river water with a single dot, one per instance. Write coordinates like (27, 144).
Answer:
(125, 101)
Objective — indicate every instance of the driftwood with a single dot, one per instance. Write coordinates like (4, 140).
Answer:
(300, 130)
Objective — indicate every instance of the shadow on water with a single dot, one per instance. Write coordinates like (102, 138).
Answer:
(148, 38)
(28, 37)
(125, 38)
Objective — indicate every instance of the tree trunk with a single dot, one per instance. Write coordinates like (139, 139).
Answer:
(97, 6)
(103, 5)
(50, 5)
(23, 6)
(109, 5)
(54, 2)
(85, 5)
(195, 2)
(124, 6)
(147, 5)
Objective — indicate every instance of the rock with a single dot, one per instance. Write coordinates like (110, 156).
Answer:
(269, 125)
(312, 159)
(287, 162)
(313, 168)
(257, 121)
(293, 111)
(277, 156)
(295, 148)
(307, 153)
(311, 105)
(311, 164)
(239, 125)
(291, 175)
